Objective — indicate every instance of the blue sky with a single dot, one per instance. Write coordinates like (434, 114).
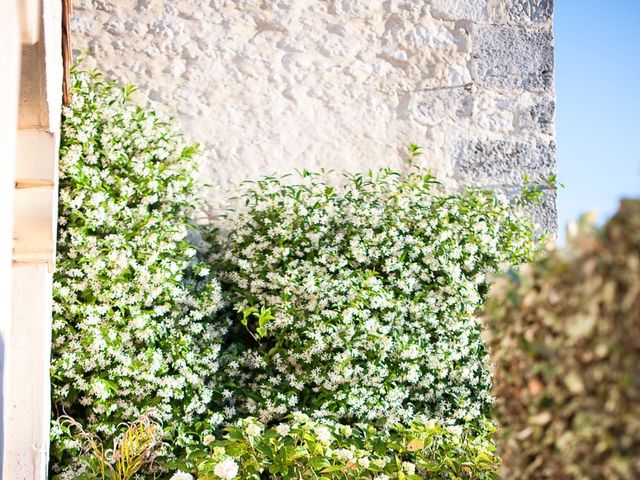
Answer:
(598, 104)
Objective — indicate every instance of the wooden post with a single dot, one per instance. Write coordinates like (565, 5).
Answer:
(67, 54)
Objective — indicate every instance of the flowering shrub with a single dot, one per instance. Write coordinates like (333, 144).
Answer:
(359, 301)
(354, 343)
(132, 321)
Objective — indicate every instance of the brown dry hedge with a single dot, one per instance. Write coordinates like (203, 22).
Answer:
(565, 337)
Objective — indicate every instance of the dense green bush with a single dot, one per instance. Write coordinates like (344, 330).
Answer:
(301, 447)
(350, 328)
(565, 336)
(360, 299)
(132, 321)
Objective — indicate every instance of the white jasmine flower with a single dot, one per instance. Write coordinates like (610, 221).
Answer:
(343, 454)
(409, 468)
(180, 475)
(226, 469)
(253, 430)
(323, 434)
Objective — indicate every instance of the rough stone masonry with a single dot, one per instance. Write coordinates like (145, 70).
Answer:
(273, 85)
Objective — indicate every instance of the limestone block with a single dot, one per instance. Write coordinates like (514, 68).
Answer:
(10, 40)
(27, 376)
(545, 213)
(530, 10)
(513, 57)
(520, 11)
(513, 113)
(500, 162)
(537, 116)
(434, 107)
(460, 9)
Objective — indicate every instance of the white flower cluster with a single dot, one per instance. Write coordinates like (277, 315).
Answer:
(227, 469)
(180, 475)
(373, 288)
(133, 305)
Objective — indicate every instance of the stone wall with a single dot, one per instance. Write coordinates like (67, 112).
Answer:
(272, 85)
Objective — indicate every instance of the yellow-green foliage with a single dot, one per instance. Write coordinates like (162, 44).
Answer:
(131, 450)
(565, 336)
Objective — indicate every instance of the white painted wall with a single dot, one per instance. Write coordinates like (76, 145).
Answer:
(26, 453)
(9, 84)
(273, 85)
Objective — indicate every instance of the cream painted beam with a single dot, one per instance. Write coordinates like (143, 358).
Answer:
(37, 154)
(28, 404)
(35, 198)
(41, 72)
(27, 358)
(32, 234)
(29, 14)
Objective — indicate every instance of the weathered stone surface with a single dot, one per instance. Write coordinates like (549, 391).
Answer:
(537, 116)
(522, 12)
(530, 10)
(501, 162)
(435, 107)
(543, 213)
(270, 85)
(460, 9)
(513, 113)
(514, 57)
